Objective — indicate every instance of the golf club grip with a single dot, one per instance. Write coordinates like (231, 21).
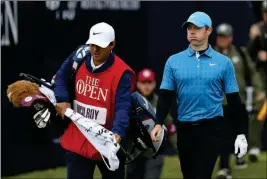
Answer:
(34, 79)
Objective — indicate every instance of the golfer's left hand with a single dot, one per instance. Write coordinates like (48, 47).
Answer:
(241, 144)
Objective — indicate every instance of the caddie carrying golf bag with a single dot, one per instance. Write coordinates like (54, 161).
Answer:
(141, 123)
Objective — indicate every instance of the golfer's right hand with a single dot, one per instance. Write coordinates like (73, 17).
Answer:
(61, 108)
(156, 132)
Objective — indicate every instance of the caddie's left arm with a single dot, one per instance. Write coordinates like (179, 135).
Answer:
(122, 106)
(238, 109)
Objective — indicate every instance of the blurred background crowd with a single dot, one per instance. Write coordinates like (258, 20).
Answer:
(36, 37)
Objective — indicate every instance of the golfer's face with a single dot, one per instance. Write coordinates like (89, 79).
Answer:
(196, 35)
(146, 87)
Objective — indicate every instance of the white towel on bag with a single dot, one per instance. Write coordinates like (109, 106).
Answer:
(101, 138)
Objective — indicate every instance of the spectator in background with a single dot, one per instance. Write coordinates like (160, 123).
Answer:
(259, 27)
(143, 168)
(248, 79)
(257, 48)
(258, 43)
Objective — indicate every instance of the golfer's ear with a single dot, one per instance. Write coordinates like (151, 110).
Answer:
(209, 30)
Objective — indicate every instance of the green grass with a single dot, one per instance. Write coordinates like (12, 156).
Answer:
(171, 169)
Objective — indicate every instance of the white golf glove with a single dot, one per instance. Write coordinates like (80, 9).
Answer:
(241, 144)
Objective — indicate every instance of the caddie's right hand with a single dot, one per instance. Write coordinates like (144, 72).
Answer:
(155, 133)
(61, 108)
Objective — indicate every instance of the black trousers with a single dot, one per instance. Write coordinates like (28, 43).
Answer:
(79, 167)
(199, 145)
